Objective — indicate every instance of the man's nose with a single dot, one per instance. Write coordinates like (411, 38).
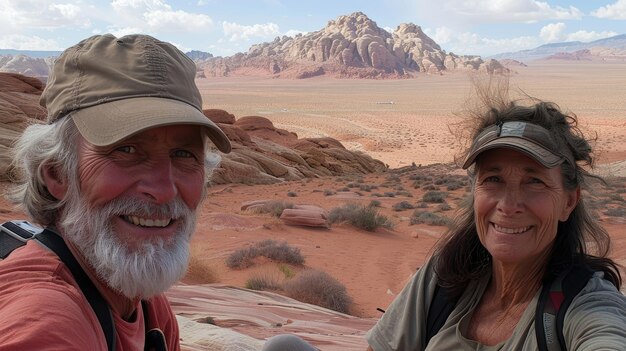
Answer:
(158, 184)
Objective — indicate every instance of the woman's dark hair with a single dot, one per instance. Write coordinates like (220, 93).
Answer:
(460, 255)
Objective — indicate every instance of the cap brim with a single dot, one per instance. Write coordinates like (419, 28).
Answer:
(107, 123)
(533, 150)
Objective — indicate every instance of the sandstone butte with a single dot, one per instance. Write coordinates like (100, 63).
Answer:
(351, 46)
(262, 154)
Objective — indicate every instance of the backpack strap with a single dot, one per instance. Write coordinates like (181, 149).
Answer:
(13, 236)
(55, 243)
(440, 308)
(155, 339)
(556, 297)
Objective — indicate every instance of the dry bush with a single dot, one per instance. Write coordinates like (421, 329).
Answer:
(279, 252)
(363, 217)
(435, 196)
(263, 282)
(275, 208)
(402, 205)
(199, 271)
(319, 288)
(429, 218)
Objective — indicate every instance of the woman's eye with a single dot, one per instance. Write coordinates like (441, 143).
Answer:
(491, 179)
(126, 149)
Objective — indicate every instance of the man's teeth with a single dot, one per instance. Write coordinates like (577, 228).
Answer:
(510, 230)
(148, 222)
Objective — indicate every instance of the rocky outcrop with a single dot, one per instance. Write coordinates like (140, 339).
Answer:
(263, 154)
(19, 107)
(243, 319)
(305, 216)
(26, 65)
(353, 47)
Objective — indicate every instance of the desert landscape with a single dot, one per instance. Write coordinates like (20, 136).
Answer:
(413, 130)
(328, 142)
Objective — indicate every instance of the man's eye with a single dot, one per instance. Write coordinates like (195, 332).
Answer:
(126, 149)
(535, 181)
(183, 153)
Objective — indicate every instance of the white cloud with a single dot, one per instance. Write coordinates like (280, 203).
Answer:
(154, 15)
(238, 32)
(177, 21)
(613, 11)
(556, 32)
(441, 35)
(553, 32)
(122, 31)
(42, 14)
(293, 32)
(585, 36)
(23, 42)
(521, 11)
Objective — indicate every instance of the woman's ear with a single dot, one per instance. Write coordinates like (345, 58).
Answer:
(572, 200)
(56, 185)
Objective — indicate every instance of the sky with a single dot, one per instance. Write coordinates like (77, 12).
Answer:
(225, 27)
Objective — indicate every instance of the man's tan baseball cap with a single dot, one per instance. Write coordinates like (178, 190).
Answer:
(116, 87)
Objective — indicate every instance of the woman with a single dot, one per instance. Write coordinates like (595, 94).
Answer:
(526, 223)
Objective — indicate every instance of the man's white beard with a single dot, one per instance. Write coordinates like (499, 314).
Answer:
(138, 271)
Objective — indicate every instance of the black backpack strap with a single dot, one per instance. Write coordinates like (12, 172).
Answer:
(12, 236)
(155, 339)
(55, 243)
(440, 308)
(556, 297)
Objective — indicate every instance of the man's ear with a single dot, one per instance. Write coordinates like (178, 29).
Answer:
(56, 185)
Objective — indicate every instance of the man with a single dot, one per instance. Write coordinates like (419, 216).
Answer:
(118, 173)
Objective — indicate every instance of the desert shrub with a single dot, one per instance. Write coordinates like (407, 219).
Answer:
(444, 207)
(319, 288)
(367, 187)
(286, 270)
(199, 271)
(377, 195)
(205, 320)
(402, 205)
(454, 185)
(344, 189)
(275, 208)
(429, 187)
(352, 185)
(328, 192)
(404, 193)
(292, 194)
(434, 196)
(262, 282)
(363, 217)
(279, 252)
(615, 212)
(429, 218)
(374, 203)
(421, 204)
(389, 194)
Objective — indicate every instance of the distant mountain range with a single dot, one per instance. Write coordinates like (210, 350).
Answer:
(555, 50)
(351, 46)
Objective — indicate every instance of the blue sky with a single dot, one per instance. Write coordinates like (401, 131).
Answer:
(225, 27)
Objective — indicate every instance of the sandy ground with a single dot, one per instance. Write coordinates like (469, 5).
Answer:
(398, 122)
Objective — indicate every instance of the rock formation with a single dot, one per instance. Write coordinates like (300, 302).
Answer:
(262, 154)
(19, 107)
(26, 65)
(353, 47)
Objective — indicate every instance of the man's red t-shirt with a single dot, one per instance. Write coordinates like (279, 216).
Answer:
(43, 308)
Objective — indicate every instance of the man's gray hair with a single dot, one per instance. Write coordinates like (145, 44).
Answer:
(55, 145)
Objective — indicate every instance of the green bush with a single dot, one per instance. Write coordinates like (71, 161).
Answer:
(319, 288)
(262, 282)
